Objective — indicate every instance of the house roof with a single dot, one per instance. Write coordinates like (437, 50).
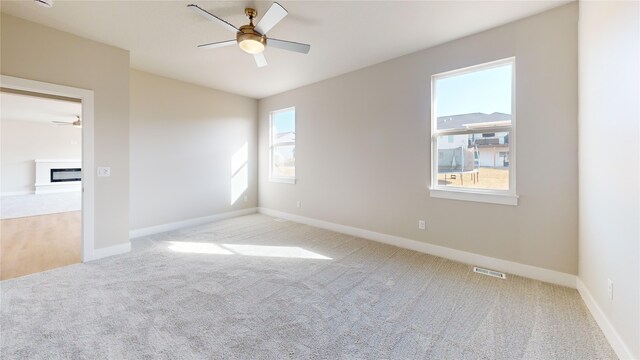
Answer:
(286, 136)
(492, 146)
(462, 121)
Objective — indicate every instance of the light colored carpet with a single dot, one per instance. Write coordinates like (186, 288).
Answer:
(12, 207)
(255, 288)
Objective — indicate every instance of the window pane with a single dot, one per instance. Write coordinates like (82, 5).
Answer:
(284, 126)
(473, 100)
(283, 161)
(479, 161)
(283, 131)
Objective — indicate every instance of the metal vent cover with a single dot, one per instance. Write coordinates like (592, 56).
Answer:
(488, 272)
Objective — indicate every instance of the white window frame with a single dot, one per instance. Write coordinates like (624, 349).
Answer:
(503, 197)
(280, 179)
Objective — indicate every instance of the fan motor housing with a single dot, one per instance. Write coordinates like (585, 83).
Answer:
(248, 34)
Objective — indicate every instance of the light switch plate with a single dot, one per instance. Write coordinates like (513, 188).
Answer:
(104, 171)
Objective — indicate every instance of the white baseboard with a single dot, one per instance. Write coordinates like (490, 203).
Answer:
(528, 271)
(111, 251)
(188, 223)
(609, 331)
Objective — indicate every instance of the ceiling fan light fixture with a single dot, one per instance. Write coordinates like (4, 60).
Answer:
(252, 39)
(251, 43)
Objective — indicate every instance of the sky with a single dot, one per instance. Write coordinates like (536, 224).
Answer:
(284, 122)
(485, 91)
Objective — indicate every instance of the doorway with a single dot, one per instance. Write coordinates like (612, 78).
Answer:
(46, 207)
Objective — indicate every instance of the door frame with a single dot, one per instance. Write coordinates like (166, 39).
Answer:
(88, 177)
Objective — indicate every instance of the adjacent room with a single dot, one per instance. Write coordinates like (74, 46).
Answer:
(320, 179)
(41, 182)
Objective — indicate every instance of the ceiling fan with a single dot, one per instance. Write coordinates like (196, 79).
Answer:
(76, 124)
(253, 38)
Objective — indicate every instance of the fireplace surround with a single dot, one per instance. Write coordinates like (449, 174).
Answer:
(58, 175)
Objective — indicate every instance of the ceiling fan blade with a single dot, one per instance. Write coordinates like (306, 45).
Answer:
(273, 16)
(289, 45)
(260, 60)
(209, 16)
(217, 44)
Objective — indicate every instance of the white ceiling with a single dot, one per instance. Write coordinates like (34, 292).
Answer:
(18, 107)
(344, 35)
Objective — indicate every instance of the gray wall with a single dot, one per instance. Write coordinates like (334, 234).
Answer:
(363, 149)
(183, 139)
(610, 162)
(37, 52)
(24, 141)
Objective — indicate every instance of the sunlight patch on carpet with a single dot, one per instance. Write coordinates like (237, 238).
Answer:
(198, 248)
(245, 250)
(274, 251)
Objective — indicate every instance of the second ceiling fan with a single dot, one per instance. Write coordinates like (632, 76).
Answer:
(253, 38)
(76, 124)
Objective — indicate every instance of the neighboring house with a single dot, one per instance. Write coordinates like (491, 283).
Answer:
(284, 137)
(285, 155)
(490, 149)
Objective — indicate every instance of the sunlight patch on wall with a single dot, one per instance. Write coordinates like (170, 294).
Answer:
(239, 173)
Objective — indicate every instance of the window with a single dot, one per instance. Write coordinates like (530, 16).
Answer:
(282, 146)
(473, 133)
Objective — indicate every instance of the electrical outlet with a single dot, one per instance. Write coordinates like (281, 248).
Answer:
(298, 204)
(422, 225)
(104, 171)
(610, 288)
(246, 198)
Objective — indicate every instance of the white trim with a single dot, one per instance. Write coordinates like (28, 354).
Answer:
(17, 193)
(528, 271)
(188, 223)
(608, 329)
(501, 199)
(474, 68)
(111, 251)
(283, 180)
(87, 99)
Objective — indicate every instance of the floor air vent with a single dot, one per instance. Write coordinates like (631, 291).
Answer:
(488, 272)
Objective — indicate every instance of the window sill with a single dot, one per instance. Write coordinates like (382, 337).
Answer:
(501, 199)
(283, 180)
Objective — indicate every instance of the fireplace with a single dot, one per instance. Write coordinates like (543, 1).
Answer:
(66, 174)
(56, 176)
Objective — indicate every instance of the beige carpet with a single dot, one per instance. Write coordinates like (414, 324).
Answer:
(255, 288)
